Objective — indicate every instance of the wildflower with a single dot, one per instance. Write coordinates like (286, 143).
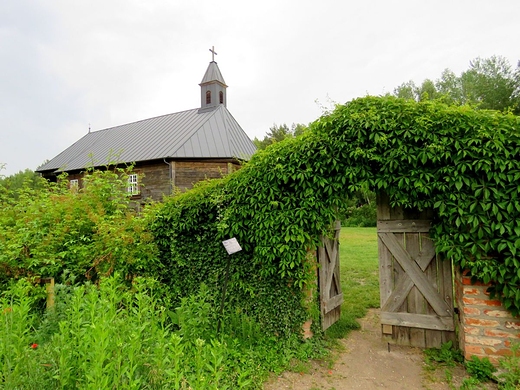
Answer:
(34, 345)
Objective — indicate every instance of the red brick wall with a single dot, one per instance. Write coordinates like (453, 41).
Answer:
(486, 329)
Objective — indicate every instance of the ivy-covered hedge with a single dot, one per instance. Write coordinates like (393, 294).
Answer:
(465, 164)
(189, 231)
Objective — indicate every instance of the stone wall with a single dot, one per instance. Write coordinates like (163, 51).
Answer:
(486, 329)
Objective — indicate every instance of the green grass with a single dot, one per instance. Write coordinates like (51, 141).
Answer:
(359, 276)
(111, 336)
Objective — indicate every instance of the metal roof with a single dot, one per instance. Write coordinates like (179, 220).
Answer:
(187, 134)
(213, 74)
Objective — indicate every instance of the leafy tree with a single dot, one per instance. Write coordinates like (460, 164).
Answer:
(13, 184)
(450, 87)
(489, 83)
(427, 90)
(279, 133)
(406, 90)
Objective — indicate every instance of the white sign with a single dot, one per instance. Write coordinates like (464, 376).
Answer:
(232, 246)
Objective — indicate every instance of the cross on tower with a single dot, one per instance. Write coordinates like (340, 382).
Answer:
(213, 53)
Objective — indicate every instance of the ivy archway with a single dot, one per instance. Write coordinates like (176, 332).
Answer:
(462, 163)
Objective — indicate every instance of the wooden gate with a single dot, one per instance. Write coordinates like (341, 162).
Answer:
(415, 285)
(329, 285)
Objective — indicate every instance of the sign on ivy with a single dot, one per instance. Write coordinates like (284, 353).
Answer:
(232, 246)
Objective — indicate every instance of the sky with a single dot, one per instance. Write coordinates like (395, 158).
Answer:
(67, 66)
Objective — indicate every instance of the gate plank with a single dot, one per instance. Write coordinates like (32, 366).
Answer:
(420, 280)
(417, 321)
(405, 284)
(386, 285)
(329, 284)
(404, 226)
(332, 303)
(416, 301)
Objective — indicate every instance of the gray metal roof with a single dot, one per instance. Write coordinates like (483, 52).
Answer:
(187, 134)
(213, 74)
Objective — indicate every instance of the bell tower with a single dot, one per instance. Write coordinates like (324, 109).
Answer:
(212, 87)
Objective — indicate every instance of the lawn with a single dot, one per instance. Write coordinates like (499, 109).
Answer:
(359, 275)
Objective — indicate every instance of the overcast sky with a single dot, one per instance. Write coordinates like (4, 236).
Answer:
(66, 65)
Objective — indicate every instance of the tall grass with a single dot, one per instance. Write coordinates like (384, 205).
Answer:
(359, 276)
(111, 336)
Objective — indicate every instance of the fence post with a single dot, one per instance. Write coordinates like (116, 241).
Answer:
(49, 288)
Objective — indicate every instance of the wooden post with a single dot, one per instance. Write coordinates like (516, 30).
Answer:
(49, 287)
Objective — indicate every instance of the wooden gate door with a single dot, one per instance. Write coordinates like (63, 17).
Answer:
(329, 285)
(415, 285)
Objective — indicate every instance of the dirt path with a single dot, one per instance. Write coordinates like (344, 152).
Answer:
(366, 363)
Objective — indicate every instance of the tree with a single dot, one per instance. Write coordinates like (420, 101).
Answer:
(449, 87)
(489, 83)
(279, 133)
(23, 179)
(406, 90)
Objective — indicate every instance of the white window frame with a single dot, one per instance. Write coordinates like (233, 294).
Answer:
(74, 184)
(133, 184)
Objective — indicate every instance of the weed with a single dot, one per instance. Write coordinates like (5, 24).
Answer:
(470, 384)
(447, 355)
(480, 369)
(509, 379)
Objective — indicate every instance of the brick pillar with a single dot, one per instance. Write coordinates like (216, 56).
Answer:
(486, 328)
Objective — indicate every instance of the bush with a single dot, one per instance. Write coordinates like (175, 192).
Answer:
(74, 236)
(113, 336)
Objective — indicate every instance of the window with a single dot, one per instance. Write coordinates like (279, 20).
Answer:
(74, 185)
(208, 97)
(133, 186)
(221, 97)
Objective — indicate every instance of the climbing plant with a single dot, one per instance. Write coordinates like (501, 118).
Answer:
(465, 164)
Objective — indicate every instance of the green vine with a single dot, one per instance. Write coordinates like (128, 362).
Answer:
(463, 163)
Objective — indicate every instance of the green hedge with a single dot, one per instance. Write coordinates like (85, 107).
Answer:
(463, 163)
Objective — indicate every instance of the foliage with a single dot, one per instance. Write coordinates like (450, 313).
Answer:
(189, 229)
(359, 276)
(279, 133)
(113, 336)
(361, 210)
(489, 83)
(13, 185)
(480, 369)
(446, 355)
(72, 235)
(463, 163)
(509, 378)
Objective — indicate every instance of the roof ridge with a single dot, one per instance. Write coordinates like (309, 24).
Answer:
(143, 120)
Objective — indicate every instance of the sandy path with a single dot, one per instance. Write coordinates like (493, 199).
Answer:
(367, 363)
